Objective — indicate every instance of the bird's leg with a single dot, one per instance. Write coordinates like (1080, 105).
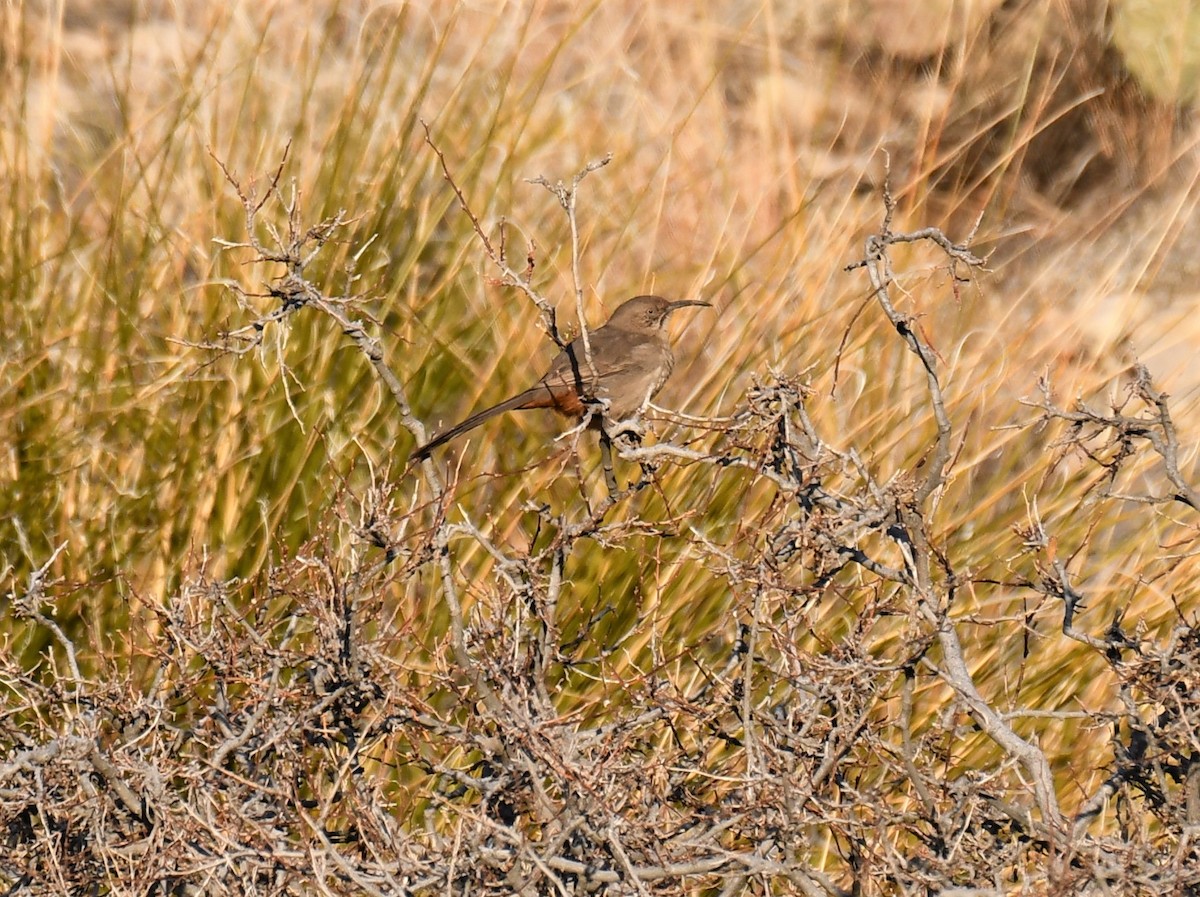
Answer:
(597, 412)
(629, 431)
(606, 458)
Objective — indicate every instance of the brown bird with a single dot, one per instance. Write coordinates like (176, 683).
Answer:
(632, 358)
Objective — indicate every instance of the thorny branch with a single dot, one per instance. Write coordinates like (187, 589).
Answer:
(568, 198)
(509, 276)
(296, 249)
(913, 523)
(1110, 439)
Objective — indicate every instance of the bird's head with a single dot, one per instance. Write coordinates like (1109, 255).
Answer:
(648, 312)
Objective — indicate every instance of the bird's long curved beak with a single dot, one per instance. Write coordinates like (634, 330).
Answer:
(685, 302)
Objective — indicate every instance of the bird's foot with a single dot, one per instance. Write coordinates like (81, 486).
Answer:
(632, 429)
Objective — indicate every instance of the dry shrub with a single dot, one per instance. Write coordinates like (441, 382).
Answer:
(322, 732)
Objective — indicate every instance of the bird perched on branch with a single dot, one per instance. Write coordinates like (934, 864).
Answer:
(630, 361)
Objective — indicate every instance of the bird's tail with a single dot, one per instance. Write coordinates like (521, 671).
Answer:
(525, 399)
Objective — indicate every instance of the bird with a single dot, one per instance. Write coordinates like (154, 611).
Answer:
(631, 359)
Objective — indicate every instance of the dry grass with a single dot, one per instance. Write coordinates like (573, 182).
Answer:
(746, 144)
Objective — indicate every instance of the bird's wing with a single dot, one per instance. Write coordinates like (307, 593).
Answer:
(632, 356)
